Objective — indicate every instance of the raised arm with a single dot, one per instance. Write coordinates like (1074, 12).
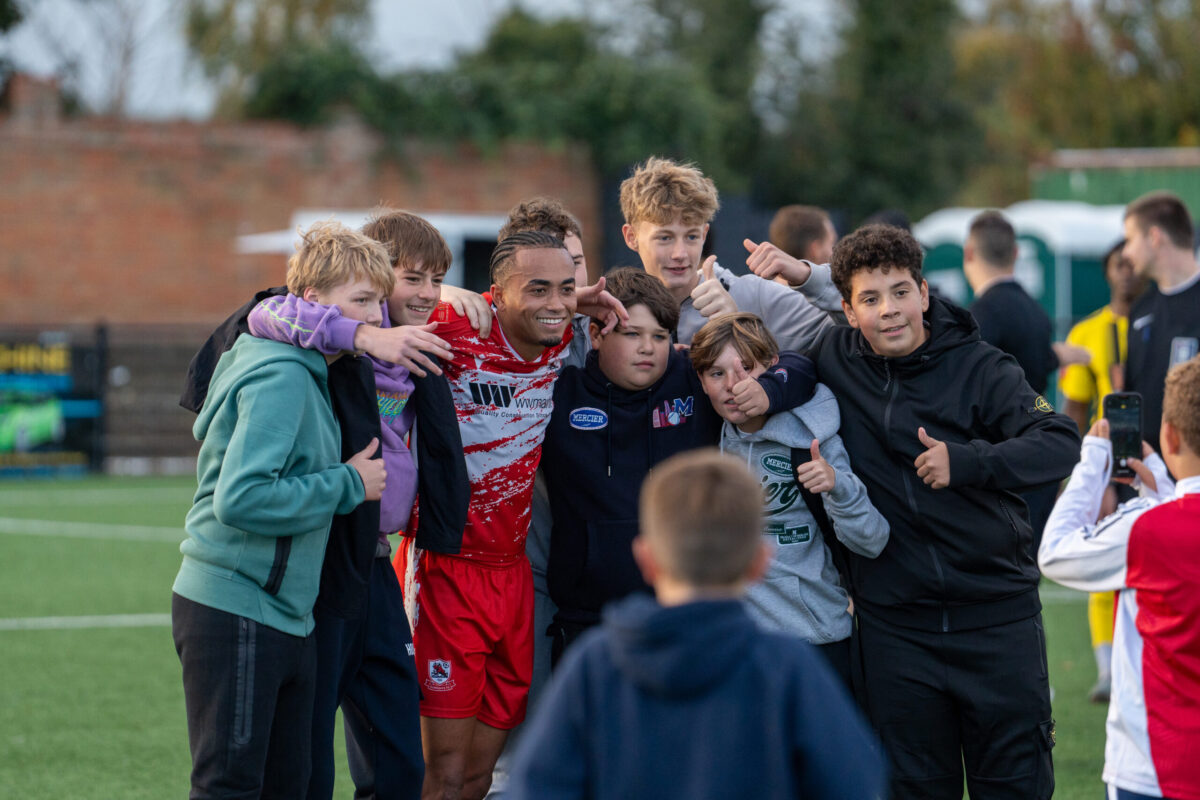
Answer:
(296, 321)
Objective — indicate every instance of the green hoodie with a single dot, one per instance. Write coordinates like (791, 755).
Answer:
(270, 479)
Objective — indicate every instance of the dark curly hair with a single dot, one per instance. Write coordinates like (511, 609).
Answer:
(884, 247)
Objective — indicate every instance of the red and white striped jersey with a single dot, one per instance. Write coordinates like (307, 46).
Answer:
(1150, 550)
(503, 404)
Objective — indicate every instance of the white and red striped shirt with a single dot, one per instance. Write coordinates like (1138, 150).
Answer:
(503, 404)
(1150, 550)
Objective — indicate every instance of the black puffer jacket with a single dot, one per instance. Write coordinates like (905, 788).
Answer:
(958, 558)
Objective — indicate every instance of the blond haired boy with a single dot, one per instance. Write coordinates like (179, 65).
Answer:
(269, 483)
(686, 697)
(668, 207)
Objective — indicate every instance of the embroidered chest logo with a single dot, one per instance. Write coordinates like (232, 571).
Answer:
(587, 419)
(672, 412)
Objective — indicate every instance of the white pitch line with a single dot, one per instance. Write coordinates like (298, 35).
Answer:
(82, 623)
(90, 530)
(29, 496)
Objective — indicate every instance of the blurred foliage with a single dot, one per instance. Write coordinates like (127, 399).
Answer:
(10, 14)
(236, 41)
(915, 106)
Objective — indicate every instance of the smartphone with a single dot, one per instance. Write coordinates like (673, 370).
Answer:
(1123, 410)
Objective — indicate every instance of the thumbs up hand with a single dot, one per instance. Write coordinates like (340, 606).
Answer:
(748, 393)
(768, 261)
(817, 475)
(933, 466)
(709, 297)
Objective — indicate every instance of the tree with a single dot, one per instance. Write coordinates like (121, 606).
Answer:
(235, 40)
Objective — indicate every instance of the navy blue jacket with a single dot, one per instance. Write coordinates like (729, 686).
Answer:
(694, 701)
(601, 443)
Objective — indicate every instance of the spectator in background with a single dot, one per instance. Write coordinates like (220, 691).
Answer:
(1164, 323)
(1012, 321)
(803, 232)
(1103, 334)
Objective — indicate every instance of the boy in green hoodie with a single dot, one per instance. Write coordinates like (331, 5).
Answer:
(269, 482)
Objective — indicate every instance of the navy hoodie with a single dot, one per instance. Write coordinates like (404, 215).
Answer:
(694, 701)
(601, 443)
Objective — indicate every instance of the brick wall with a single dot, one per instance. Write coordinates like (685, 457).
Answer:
(134, 224)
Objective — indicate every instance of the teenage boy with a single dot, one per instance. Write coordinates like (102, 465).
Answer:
(802, 592)
(687, 697)
(943, 429)
(473, 627)
(803, 232)
(631, 406)
(365, 662)
(1149, 551)
(269, 483)
(1164, 325)
(667, 208)
(1103, 334)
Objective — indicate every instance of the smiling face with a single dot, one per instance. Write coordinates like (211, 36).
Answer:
(669, 252)
(718, 380)
(633, 355)
(358, 299)
(417, 292)
(888, 307)
(537, 300)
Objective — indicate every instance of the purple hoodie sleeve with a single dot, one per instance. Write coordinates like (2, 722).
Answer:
(312, 326)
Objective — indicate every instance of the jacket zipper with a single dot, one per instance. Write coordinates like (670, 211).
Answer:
(283, 548)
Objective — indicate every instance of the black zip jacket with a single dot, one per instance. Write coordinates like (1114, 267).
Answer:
(442, 482)
(601, 443)
(958, 558)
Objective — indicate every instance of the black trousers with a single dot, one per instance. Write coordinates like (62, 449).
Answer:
(248, 689)
(978, 698)
(366, 665)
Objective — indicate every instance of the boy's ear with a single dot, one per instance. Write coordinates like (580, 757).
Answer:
(310, 295)
(924, 295)
(849, 312)
(630, 233)
(1169, 438)
(644, 557)
(594, 334)
(758, 567)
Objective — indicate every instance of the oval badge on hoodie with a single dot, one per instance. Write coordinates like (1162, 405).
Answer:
(778, 465)
(587, 419)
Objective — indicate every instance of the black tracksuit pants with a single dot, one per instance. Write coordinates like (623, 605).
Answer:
(248, 689)
(366, 665)
(977, 698)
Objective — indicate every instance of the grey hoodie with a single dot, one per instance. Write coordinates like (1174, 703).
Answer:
(801, 592)
(794, 319)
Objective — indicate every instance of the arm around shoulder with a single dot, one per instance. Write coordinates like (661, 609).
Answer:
(296, 321)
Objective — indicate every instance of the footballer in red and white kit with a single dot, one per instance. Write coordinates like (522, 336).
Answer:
(474, 610)
(1150, 550)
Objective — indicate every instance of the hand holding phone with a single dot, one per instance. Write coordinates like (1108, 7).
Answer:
(1123, 410)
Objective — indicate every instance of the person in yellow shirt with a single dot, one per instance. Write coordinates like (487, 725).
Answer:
(1103, 334)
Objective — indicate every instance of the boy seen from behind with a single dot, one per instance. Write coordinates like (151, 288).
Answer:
(801, 464)
(270, 483)
(1148, 549)
(686, 697)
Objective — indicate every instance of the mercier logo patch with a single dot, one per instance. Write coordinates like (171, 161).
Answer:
(439, 676)
(777, 465)
(587, 419)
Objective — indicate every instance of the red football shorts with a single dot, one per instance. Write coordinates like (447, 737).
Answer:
(473, 634)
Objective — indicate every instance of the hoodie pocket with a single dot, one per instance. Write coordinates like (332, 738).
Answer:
(610, 571)
(283, 549)
(1016, 532)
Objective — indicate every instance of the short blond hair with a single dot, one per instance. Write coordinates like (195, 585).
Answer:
(1181, 402)
(701, 513)
(330, 254)
(661, 190)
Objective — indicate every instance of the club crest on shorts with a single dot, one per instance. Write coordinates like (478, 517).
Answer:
(439, 676)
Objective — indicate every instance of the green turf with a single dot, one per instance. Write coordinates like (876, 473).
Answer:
(98, 713)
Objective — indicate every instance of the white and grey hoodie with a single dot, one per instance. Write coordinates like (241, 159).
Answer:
(801, 592)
